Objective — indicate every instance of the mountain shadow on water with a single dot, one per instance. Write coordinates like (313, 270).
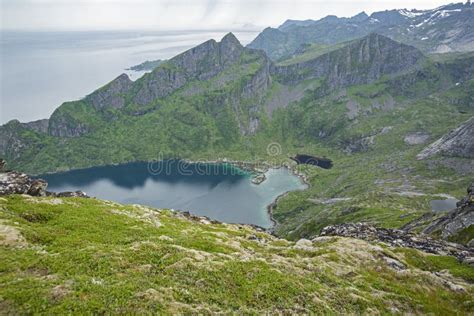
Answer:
(135, 175)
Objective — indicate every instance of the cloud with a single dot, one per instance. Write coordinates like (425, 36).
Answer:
(180, 14)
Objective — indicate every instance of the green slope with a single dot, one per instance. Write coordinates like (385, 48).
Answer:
(87, 256)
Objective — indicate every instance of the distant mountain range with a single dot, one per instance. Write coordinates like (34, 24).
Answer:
(448, 28)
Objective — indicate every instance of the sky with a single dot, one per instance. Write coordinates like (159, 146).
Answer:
(181, 14)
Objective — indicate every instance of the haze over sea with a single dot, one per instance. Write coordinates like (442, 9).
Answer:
(41, 70)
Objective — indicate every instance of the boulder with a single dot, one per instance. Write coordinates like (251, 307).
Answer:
(37, 188)
(13, 182)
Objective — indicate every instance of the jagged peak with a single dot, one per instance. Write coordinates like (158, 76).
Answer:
(382, 38)
(230, 40)
(13, 122)
(329, 18)
(360, 16)
(123, 77)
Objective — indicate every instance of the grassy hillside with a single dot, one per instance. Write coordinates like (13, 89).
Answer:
(76, 255)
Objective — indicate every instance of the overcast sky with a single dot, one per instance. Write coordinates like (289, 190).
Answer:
(181, 14)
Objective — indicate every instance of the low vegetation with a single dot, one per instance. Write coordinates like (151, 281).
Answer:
(76, 255)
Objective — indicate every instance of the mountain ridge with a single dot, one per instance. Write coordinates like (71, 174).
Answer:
(443, 29)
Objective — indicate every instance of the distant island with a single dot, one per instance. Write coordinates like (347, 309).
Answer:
(147, 65)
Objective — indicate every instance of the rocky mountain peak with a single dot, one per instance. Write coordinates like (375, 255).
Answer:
(230, 40)
(198, 63)
(362, 16)
(230, 49)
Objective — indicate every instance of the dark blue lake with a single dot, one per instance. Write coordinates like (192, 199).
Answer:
(219, 191)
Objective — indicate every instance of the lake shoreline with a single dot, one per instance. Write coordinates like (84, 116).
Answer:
(256, 170)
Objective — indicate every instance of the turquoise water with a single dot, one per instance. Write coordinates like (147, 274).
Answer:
(218, 191)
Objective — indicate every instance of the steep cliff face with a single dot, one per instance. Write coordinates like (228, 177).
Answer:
(11, 143)
(71, 119)
(361, 61)
(111, 95)
(272, 41)
(457, 143)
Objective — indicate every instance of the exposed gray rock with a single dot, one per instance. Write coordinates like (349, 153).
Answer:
(416, 138)
(70, 194)
(62, 126)
(199, 63)
(283, 97)
(361, 61)
(457, 143)
(111, 95)
(352, 108)
(394, 264)
(13, 182)
(37, 187)
(462, 166)
(40, 126)
(11, 143)
(359, 145)
(398, 238)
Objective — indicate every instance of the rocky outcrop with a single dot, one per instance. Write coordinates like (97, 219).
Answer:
(13, 182)
(358, 145)
(11, 142)
(400, 238)
(416, 138)
(64, 125)
(40, 126)
(362, 61)
(457, 143)
(111, 95)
